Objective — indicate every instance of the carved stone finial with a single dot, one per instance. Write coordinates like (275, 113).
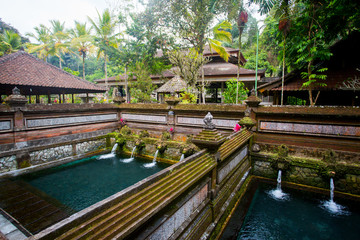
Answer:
(16, 91)
(253, 100)
(16, 99)
(117, 98)
(208, 121)
(252, 93)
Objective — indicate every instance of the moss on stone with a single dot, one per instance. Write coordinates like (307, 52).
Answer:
(247, 122)
(165, 136)
(144, 134)
(125, 130)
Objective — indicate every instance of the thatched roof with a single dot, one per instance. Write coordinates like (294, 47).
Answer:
(176, 85)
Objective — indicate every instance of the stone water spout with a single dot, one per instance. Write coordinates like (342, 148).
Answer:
(277, 193)
(153, 163)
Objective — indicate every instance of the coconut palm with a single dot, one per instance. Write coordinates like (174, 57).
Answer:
(59, 37)
(43, 39)
(220, 36)
(82, 41)
(104, 27)
(10, 42)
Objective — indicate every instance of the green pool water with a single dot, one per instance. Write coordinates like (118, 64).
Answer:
(301, 216)
(82, 183)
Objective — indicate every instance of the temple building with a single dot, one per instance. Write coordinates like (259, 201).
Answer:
(34, 77)
(216, 73)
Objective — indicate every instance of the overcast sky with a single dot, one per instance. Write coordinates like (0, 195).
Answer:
(24, 15)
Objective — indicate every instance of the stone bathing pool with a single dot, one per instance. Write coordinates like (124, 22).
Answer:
(298, 214)
(38, 200)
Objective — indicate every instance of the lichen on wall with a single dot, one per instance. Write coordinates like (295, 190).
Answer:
(7, 163)
(50, 154)
(90, 146)
(310, 171)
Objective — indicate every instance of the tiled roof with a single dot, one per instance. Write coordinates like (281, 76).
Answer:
(333, 81)
(26, 71)
(224, 69)
(211, 69)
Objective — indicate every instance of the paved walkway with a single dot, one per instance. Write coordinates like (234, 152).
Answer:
(9, 230)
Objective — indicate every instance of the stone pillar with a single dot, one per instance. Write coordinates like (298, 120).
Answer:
(249, 120)
(74, 151)
(172, 101)
(17, 102)
(23, 159)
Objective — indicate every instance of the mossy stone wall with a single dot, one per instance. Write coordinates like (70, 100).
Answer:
(307, 171)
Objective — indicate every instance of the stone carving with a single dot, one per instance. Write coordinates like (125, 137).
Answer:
(256, 148)
(16, 99)
(16, 91)
(41, 122)
(208, 121)
(247, 112)
(5, 125)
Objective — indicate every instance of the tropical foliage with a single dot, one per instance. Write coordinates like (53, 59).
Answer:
(297, 35)
(235, 89)
(10, 42)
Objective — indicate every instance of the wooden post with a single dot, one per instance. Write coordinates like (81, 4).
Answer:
(87, 97)
(29, 98)
(49, 98)
(59, 98)
(216, 94)
(222, 92)
(72, 98)
(37, 99)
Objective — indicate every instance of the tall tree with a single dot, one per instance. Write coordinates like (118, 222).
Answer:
(82, 41)
(188, 64)
(190, 20)
(42, 46)
(59, 37)
(104, 27)
(140, 46)
(281, 12)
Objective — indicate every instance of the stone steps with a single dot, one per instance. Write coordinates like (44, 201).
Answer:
(30, 210)
(122, 218)
(227, 148)
(8, 231)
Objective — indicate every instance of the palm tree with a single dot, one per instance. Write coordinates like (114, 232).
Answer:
(220, 35)
(282, 12)
(43, 45)
(104, 27)
(82, 41)
(10, 42)
(59, 36)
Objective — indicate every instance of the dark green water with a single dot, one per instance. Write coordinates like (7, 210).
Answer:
(82, 183)
(300, 217)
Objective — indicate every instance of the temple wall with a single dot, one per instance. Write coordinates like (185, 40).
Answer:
(37, 134)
